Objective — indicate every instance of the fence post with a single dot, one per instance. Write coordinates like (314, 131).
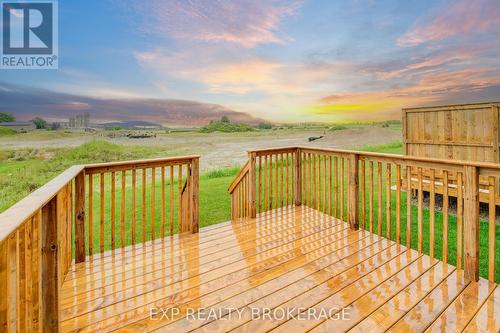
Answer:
(298, 177)
(252, 185)
(80, 217)
(195, 172)
(471, 222)
(50, 270)
(353, 192)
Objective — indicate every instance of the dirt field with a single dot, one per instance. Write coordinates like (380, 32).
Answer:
(216, 149)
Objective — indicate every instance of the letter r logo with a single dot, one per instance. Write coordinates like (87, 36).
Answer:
(27, 27)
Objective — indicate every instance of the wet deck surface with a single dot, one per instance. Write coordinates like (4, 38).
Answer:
(290, 270)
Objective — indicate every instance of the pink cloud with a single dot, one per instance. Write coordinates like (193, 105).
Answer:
(462, 17)
(245, 22)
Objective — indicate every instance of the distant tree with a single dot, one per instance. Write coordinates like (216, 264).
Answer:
(55, 126)
(224, 119)
(40, 123)
(6, 117)
(265, 126)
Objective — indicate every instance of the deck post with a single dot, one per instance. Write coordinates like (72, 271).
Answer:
(353, 192)
(195, 171)
(298, 177)
(80, 217)
(471, 222)
(252, 185)
(50, 271)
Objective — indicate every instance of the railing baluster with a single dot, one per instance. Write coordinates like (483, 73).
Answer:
(113, 210)
(460, 222)
(408, 206)
(80, 217)
(171, 221)
(432, 212)
(122, 216)
(491, 228)
(318, 183)
(342, 179)
(363, 194)
(282, 186)
(353, 192)
(388, 201)
(179, 193)
(445, 216)
(379, 198)
(419, 214)
(101, 212)
(398, 203)
(144, 171)
(330, 185)
(162, 202)
(91, 215)
(336, 186)
(372, 206)
(195, 175)
(153, 203)
(252, 186)
(265, 172)
(134, 180)
(300, 170)
(317, 180)
(287, 178)
(260, 184)
(325, 178)
(271, 167)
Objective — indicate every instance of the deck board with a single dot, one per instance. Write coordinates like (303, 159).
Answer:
(294, 258)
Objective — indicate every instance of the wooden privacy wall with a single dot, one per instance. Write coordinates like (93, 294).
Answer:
(468, 132)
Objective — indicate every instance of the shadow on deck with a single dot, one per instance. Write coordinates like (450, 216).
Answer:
(290, 269)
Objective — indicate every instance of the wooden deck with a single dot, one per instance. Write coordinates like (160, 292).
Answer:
(260, 273)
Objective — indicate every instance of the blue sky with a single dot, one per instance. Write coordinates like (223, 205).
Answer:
(278, 60)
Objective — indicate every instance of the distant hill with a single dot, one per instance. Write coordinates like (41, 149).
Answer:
(25, 103)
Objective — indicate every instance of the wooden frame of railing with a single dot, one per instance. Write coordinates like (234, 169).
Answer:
(36, 234)
(354, 186)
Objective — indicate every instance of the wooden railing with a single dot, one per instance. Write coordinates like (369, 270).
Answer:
(239, 191)
(142, 200)
(39, 234)
(431, 205)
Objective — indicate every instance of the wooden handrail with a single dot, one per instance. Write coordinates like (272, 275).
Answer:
(393, 157)
(260, 152)
(137, 164)
(14, 216)
(243, 171)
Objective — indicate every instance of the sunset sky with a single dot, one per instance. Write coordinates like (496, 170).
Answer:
(283, 61)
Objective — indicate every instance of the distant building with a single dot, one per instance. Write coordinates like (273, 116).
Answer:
(20, 126)
(80, 121)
